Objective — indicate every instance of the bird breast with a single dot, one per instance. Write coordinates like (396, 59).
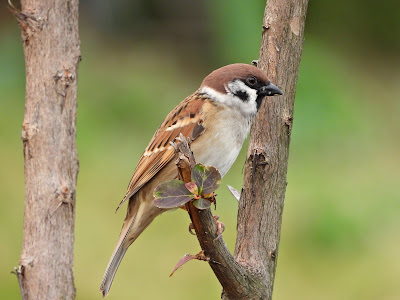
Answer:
(223, 138)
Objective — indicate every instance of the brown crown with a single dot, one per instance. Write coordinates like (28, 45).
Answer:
(220, 77)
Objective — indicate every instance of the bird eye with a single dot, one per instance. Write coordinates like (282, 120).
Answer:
(251, 80)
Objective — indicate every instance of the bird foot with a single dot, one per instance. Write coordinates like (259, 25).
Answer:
(191, 228)
(220, 226)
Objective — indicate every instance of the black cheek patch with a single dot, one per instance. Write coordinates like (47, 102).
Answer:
(242, 95)
(259, 101)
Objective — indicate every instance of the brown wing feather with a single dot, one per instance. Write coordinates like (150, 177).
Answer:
(185, 119)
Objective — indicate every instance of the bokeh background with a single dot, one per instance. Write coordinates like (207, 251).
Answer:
(340, 236)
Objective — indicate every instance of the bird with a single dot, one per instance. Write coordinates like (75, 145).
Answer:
(217, 119)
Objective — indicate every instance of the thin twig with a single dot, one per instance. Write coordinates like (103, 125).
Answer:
(19, 272)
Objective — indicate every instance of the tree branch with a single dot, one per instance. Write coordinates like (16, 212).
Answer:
(226, 269)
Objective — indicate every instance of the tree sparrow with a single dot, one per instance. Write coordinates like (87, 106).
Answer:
(217, 119)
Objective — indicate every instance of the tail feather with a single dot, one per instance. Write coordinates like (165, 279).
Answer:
(112, 270)
(141, 216)
(115, 261)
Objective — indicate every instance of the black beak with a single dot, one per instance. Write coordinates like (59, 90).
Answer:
(270, 90)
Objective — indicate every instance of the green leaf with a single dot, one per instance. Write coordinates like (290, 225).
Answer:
(207, 179)
(171, 194)
(202, 203)
(192, 187)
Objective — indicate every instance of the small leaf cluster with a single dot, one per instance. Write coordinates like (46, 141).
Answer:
(176, 193)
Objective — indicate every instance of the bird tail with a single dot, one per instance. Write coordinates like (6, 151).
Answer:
(115, 260)
(142, 214)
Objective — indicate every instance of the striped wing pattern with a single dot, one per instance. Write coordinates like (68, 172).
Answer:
(185, 119)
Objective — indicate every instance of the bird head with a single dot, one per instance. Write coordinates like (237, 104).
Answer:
(239, 85)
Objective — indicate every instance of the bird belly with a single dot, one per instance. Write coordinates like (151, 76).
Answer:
(221, 157)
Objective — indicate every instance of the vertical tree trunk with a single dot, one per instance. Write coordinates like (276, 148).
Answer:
(51, 47)
(262, 198)
(250, 273)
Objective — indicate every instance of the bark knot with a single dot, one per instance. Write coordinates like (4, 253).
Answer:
(272, 254)
(28, 131)
(64, 78)
(28, 22)
(258, 158)
(267, 23)
(64, 195)
(295, 25)
(26, 261)
(288, 123)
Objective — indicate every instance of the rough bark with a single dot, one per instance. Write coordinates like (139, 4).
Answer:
(263, 194)
(250, 273)
(52, 53)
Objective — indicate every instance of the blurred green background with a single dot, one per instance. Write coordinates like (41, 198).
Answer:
(340, 236)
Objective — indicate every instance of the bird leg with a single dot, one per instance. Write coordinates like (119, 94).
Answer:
(191, 228)
(220, 226)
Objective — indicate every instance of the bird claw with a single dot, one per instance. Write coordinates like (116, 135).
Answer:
(220, 226)
(191, 228)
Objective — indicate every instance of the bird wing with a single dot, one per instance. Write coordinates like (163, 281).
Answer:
(185, 119)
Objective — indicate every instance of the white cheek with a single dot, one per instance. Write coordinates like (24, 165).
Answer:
(247, 108)
(238, 85)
